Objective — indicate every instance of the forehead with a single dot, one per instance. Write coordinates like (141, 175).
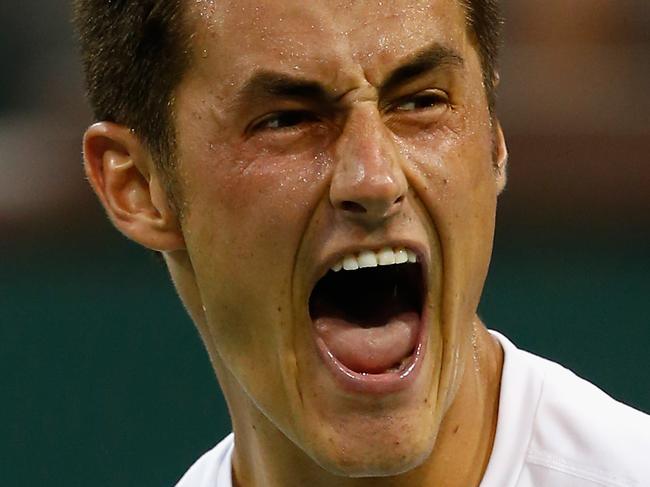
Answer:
(334, 39)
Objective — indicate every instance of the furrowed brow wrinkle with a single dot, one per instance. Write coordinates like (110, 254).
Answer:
(427, 59)
(266, 84)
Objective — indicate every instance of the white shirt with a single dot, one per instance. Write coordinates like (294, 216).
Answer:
(554, 430)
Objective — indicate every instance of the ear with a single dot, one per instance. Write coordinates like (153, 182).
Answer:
(500, 157)
(121, 170)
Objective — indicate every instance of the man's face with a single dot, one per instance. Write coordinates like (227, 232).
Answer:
(310, 133)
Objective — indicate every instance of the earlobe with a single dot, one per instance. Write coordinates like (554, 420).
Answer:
(121, 171)
(500, 157)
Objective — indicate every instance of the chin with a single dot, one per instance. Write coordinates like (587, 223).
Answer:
(375, 450)
(385, 462)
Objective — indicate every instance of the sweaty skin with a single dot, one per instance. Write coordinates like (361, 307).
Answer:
(273, 182)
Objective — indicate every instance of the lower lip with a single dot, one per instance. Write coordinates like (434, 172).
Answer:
(377, 384)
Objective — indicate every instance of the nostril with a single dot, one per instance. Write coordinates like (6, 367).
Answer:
(399, 199)
(353, 207)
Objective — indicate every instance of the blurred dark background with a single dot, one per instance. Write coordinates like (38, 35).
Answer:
(106, 382)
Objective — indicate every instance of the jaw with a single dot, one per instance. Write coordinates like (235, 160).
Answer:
(346, 432)
(368, 428)
(360, 433)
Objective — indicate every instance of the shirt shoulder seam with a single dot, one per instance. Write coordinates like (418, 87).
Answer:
(537, 405)
(584, 472)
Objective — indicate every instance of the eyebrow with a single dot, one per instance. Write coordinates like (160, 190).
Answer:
(267, 83)
(427, 59)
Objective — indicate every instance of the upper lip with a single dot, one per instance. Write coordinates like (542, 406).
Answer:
(335, 256)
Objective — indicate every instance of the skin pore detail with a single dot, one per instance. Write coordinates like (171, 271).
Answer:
(321, 178)
(291, 115)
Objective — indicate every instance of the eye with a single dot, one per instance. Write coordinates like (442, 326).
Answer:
(422, 101)
(284, 120)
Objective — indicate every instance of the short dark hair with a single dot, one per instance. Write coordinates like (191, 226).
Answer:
(485, 21)
(135, 53)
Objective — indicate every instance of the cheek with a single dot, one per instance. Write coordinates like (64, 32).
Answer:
(255, 186)
(245, 218)
(451, 169)
(243, 198)
(244, 224)
(454, 179)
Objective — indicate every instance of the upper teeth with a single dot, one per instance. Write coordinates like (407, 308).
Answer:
(369, 258)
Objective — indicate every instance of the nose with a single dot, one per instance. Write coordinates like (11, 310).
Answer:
(368, 183)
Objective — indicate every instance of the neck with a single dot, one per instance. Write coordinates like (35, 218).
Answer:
(264, 456)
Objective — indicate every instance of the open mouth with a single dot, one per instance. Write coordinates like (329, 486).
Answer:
(367, 312)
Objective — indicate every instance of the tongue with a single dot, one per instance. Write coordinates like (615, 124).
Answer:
(370, 350)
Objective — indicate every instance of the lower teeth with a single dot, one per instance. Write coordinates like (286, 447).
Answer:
(398, 367)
